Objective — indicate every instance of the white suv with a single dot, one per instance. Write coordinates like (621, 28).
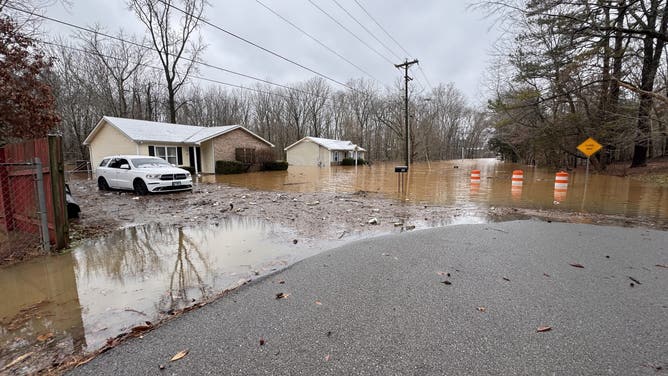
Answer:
(141, 173)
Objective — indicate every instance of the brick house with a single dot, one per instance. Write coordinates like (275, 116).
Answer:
(182, 145)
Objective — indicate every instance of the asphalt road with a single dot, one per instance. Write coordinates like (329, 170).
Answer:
(379, 307)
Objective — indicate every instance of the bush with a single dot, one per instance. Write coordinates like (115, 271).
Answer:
(275, 166)
(351, 162)
(231, 167)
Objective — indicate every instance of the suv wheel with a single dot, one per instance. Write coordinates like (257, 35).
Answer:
(140, 187)
(102, 184)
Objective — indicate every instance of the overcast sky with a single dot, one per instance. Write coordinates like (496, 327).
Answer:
(451, 42)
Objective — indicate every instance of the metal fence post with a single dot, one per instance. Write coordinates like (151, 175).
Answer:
(41, 197)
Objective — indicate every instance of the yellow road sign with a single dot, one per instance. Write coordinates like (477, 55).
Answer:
(589, 147)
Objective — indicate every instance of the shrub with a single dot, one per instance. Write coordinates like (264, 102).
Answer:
(275, 166)
(231, 167)
(351, 162)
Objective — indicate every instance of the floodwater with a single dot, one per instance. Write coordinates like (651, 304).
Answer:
(448, 183)
(74, 302)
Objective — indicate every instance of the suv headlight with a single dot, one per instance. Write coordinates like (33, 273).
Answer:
(153, 176)
(187, 175)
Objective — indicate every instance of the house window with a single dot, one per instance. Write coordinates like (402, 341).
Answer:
(336, 156)
(171, 154)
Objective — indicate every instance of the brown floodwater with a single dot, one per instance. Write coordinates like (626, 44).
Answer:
(448, 183)
(72, 303)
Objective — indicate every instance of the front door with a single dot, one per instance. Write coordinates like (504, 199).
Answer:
(191, 151)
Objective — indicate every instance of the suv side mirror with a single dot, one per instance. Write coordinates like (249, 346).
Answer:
(125, 166)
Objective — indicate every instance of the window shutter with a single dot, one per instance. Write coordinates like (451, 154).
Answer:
(179, 156)
(151, 150)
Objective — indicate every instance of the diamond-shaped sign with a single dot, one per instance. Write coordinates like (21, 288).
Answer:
(589, 147)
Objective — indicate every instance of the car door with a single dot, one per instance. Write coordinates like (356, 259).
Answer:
(124, 174)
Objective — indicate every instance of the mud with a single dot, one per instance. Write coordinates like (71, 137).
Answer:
(314, 217)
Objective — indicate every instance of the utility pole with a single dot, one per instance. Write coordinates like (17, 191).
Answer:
(406, 64)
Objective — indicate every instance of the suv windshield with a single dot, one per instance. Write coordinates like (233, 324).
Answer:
(150, 162)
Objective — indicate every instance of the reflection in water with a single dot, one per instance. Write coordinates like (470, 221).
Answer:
(107, 286)
(40, 300)
(448, 183)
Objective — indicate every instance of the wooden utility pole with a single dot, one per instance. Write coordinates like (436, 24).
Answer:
(407, 78)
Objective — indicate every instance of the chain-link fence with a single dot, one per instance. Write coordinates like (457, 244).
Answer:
(23, 217)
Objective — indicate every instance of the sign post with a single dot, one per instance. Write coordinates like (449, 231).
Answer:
(589, 147)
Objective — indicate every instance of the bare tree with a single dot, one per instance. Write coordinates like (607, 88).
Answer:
(173, 40)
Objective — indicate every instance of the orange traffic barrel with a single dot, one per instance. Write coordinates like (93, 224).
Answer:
(561, 180)
(475, 177)
(560, 186)
(518, 178)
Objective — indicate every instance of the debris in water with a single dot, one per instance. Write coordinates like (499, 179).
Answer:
(575, 265)
(481, 309)
(282, 295)
(262, 341)
(373, 221)
(635, 280)
(314, 203)
(506, 279)
(446, 282)
(543, 329)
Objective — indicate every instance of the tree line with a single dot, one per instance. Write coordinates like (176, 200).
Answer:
(568, 70)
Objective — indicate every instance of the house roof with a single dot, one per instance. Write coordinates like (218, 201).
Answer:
(153, 131)
(330, 144)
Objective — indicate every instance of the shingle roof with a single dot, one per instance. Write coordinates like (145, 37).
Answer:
(144, 131)
(330, 144)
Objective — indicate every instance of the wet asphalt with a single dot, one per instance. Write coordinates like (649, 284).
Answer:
(379, 307)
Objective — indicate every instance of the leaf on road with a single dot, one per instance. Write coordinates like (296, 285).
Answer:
(575, 265)
(282, 295)
(481, 309)
(506, 279)
(17, 361)
(179, 355)
(446, 282)
(45, 337)
(543, 329)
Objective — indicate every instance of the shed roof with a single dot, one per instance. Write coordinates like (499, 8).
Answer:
(330, 144)
(153, 131)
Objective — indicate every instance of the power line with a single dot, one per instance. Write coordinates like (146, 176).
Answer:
(160, 69)
(97, 32)
(318, 41)
(382, 28)
(350, 32)
(394, 40)
(366, 29)
(256, 45)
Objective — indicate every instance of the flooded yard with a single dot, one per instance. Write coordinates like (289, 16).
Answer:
(448, 183)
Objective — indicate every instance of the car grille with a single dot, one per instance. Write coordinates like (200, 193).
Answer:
(172, 176)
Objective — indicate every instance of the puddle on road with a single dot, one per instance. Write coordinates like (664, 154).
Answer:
(447, 183)
(74, 302)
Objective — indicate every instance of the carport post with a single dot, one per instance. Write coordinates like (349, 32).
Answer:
(41, 198)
